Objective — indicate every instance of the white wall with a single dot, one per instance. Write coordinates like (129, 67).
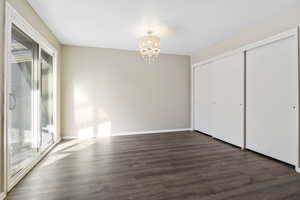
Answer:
(106, 91)
(265, 29)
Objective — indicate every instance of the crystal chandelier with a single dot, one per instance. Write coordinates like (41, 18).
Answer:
(150, 47)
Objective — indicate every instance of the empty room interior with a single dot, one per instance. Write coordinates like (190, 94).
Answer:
(149, 100)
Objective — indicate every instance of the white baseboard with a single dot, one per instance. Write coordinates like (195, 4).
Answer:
(69, 137)
(151, 132)
(2, 196)
(136, 133)
(297, 169)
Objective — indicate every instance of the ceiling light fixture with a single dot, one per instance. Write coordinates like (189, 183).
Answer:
(150, 47)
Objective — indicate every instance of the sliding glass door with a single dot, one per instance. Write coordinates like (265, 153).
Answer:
(21, 88)
(29, 103)
(29, 97)
(46, 82)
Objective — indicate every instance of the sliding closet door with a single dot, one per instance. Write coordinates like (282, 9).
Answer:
(228, 98)
(203, 99)
(272, 99)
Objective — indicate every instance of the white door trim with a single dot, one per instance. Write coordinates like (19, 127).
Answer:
(298, 140)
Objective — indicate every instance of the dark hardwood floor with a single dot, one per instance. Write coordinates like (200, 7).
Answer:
(169, 166)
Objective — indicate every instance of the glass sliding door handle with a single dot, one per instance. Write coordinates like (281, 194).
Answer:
(12, 101)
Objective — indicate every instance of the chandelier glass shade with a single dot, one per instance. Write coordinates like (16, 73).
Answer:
(150, 47)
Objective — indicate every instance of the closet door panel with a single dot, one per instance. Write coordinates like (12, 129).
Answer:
(272, 96)
(228, 87)
(202, 98)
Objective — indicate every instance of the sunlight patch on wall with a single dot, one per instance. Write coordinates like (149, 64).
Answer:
(86, 133)
(90, 121)
(104, 129)
(80, 98)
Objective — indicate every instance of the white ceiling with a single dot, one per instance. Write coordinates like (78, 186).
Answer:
(184, 25)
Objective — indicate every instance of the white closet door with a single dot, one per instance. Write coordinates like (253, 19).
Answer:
(272, 96)
(202, 98)
(228, 99)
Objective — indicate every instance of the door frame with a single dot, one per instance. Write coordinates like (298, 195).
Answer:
(13, 17)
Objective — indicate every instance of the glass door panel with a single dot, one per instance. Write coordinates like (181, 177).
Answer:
(46, 100)
(22, 142)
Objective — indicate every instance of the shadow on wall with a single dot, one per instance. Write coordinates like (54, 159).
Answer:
(90, 122)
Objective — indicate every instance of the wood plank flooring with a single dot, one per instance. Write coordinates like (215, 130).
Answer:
(169, 166)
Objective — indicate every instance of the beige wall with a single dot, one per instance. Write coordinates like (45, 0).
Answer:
(114, 91)
(24, 9)
(267, 28)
